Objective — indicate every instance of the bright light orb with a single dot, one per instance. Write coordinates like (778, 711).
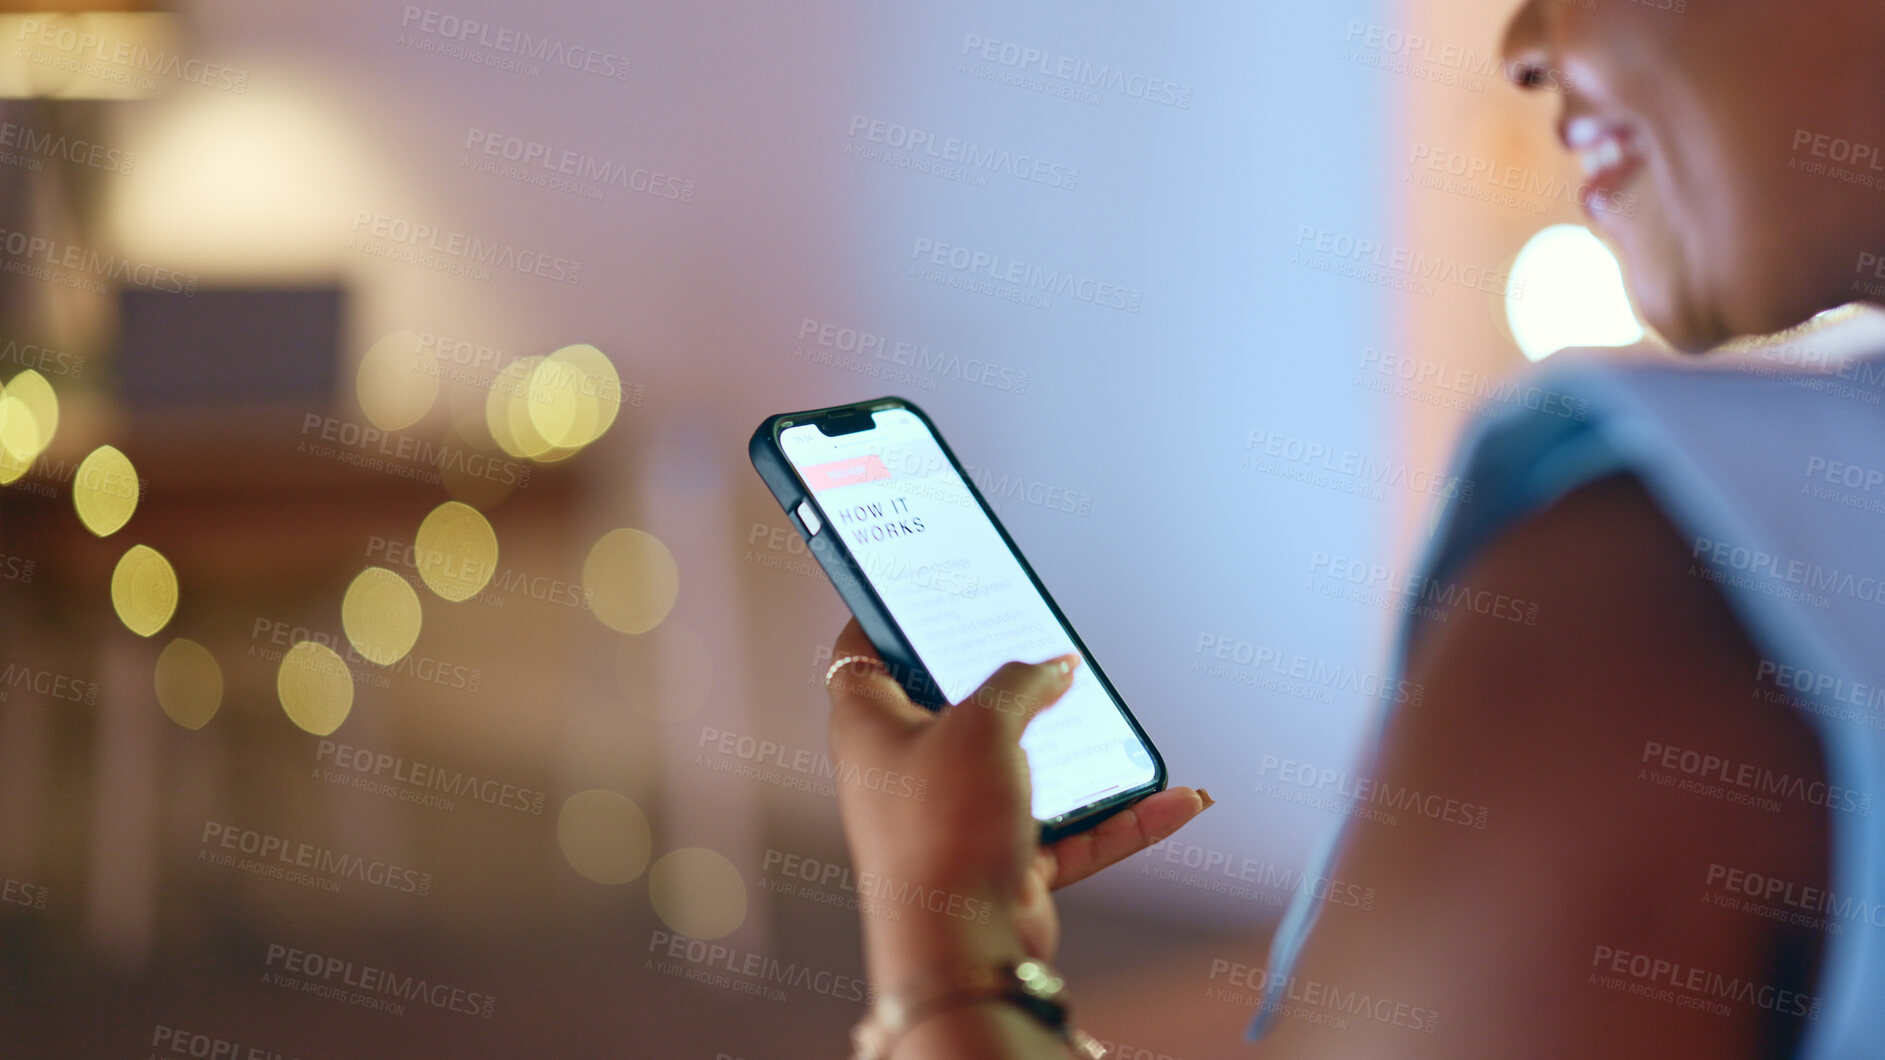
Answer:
(397, 382)
(315, 687)
(457, 551)
(144, 590)
(1566, 289)
(604, 836)
(32, 390)
(381, 615)
(698, 893)
(19, 438)
(104, 491)
(189, 684)
(631, 580)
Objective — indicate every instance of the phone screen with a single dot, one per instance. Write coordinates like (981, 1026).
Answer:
(961, 597)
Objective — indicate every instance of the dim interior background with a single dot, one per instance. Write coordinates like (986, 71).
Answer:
(301, 266)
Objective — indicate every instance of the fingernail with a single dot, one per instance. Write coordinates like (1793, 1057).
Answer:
(1065, 664)
(1205, 797)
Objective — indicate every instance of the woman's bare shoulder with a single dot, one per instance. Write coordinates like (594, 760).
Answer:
(1573, 689)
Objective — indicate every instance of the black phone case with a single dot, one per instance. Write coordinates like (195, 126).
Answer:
(858, 594)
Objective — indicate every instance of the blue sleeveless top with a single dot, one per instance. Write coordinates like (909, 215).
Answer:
(1770, 460)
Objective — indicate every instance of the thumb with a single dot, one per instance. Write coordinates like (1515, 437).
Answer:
(1013, 695)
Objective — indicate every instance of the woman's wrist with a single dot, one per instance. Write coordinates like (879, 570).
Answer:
(920, 942)
(982, 1009)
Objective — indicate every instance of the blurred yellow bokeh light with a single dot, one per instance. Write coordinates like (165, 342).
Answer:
(19, 438)
(315, 688)
(604, 836)
(381, 615)
(548, 408)
(398, 381)
(456, 551)
(506, 414)
(698, 893)
(632, 580)
(189, 683)
(573, 396)
(104, 490)
(144, 590)
(33, 391)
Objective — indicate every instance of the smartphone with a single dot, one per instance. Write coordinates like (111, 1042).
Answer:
(945, 596)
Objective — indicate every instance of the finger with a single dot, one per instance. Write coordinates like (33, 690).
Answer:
(1122, 835)
(853, 641)
(1015, 694)
(866, 702)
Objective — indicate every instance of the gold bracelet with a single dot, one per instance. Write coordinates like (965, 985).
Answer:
(1033, 985)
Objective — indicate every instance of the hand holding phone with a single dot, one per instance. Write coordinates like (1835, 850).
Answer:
(944, 595)
(965, 861)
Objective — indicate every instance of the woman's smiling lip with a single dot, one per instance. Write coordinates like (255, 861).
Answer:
(1609, 154)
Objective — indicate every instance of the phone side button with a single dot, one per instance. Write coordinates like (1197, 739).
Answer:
(809, 518)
